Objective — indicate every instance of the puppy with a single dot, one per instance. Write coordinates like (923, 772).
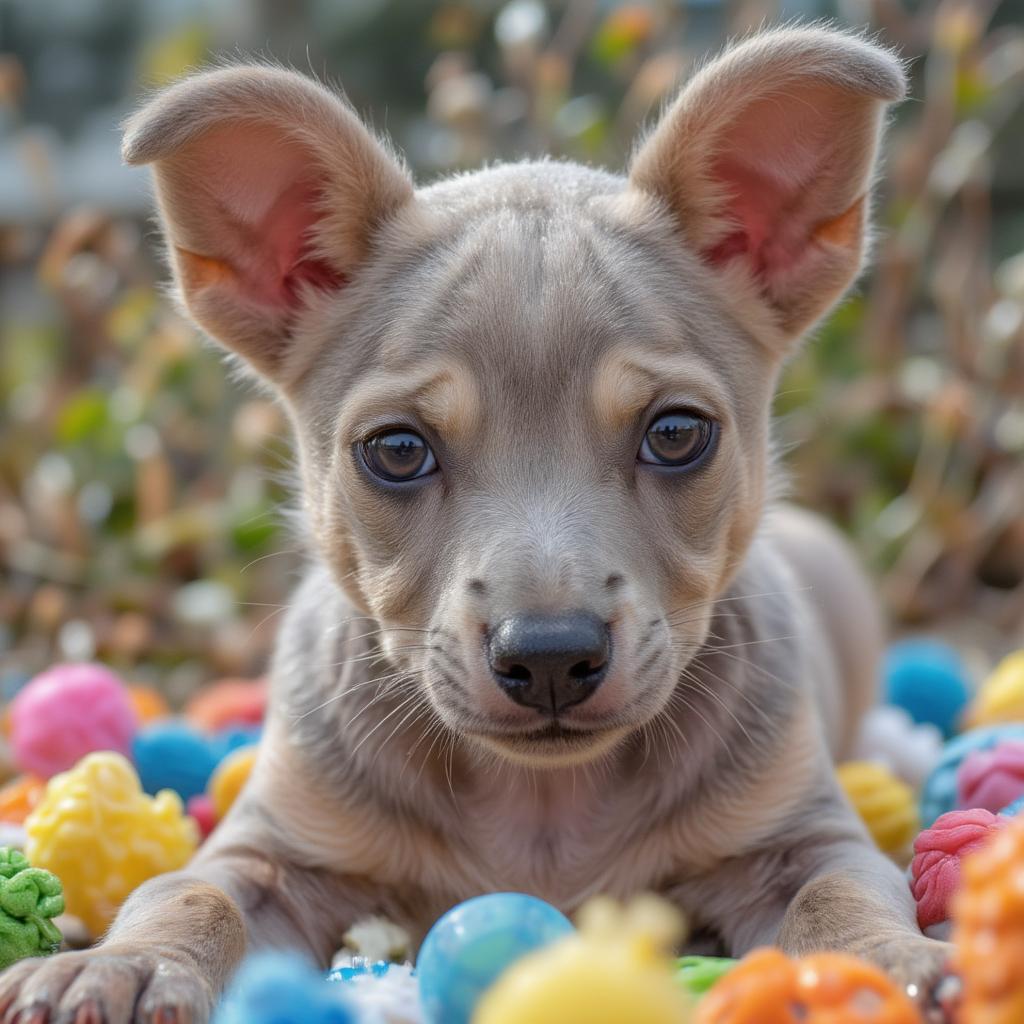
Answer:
(556, 635)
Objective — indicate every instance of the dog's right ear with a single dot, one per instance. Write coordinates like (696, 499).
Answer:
(270, 189)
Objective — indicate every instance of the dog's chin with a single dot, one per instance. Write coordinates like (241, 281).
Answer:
(554, 746)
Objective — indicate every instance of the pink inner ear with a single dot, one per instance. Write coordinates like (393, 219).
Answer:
(283, 263)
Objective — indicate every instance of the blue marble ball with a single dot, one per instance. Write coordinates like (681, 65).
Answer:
(473, 943)
(939, 793)
(172, 755)
(282, 988)
(928, 680)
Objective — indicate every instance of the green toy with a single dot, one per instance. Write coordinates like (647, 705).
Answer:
(29, 897)
(698, 973)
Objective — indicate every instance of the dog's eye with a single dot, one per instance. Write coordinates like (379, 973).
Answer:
(398, 455)
(679, 438)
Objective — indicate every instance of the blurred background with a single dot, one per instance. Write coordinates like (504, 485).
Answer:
(141, 487)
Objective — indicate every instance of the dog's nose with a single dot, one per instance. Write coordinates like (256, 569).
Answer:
(549, 662)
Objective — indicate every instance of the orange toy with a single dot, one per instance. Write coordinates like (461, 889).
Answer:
(149, 704)
(229, 702)
(826, 988)
(988, 931)
(19, 798)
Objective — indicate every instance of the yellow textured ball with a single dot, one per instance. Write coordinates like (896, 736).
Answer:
(614, 969)
(1001, 697)
(885, 804)
(102, 836)
(229, 778)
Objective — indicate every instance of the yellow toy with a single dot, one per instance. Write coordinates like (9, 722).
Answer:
(229, 778)
(885, 804)
(103, 836)
(988, 931)
(1001, 697)
(616, 968)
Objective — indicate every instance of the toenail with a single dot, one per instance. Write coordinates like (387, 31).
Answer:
(166, 1015)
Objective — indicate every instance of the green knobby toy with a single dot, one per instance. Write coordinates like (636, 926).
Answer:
(29, 897)
(698, 973)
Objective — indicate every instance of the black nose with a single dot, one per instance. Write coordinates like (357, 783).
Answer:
(549, 662)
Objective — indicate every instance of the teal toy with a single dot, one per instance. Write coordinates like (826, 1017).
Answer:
(698, 973)
(29, 898)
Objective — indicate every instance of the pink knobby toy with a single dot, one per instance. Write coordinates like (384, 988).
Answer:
(67, 712)
(992, 779)
(938, 851)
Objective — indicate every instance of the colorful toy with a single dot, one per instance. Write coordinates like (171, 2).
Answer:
(173, 755)
(18, 798)
(29, 898)
(939, 793)
(938, 853)
(988, 930)
(1017, 807)
(469, 947)
(1001, 697)
(891, 737)
(149, 704)
(229, 778)
(616, 969)
(68, 712)
(229, 702)
(825, 988)
(928, 680)
(103, 837)
(282, 988)
(201, 808)
(380, 990)
(698, 973)
(885, 804)
(992, 778)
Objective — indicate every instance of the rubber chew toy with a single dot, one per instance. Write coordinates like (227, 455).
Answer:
(103, 836)
(938, 854)
(469, 947)
(229, 778)
(826, 988)
(1001, 697)
(988, 930)
(68, 712)
(617, 969)
(992, 779)
(29, 898)
(885, 804)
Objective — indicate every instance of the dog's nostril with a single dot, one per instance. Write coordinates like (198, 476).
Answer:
(518, 672)
(586, 669)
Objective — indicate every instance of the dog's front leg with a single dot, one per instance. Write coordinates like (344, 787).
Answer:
(179, 937)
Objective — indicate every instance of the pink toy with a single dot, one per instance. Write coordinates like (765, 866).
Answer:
(67, 712)
(992, 779)
(938, 851)
(201, 808)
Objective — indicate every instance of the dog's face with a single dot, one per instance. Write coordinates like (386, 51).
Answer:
(532, 403)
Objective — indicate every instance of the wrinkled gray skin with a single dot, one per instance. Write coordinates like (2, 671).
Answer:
(529, 320)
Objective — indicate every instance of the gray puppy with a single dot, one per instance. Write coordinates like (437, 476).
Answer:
(556, 634)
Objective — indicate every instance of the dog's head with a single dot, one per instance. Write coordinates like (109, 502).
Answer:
(531, 403)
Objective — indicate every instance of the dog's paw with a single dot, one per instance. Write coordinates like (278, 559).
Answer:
(921, 967)
(108, 985)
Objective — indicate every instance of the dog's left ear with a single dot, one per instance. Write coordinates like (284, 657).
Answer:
(766, 159)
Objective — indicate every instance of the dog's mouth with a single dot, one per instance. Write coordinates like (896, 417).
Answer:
(555, 743)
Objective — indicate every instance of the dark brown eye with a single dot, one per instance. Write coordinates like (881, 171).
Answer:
(398, 456)
(678, 439)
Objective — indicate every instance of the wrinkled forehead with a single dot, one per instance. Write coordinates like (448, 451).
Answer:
(541, 310)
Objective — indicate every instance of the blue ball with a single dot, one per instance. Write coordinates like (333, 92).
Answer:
(1014, 809)
(928, 680)
(939, 793)
(173, 755)
(472, 944)
(282, 988)
(233, 738)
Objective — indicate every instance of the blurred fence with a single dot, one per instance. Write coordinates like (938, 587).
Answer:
(140, 488)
